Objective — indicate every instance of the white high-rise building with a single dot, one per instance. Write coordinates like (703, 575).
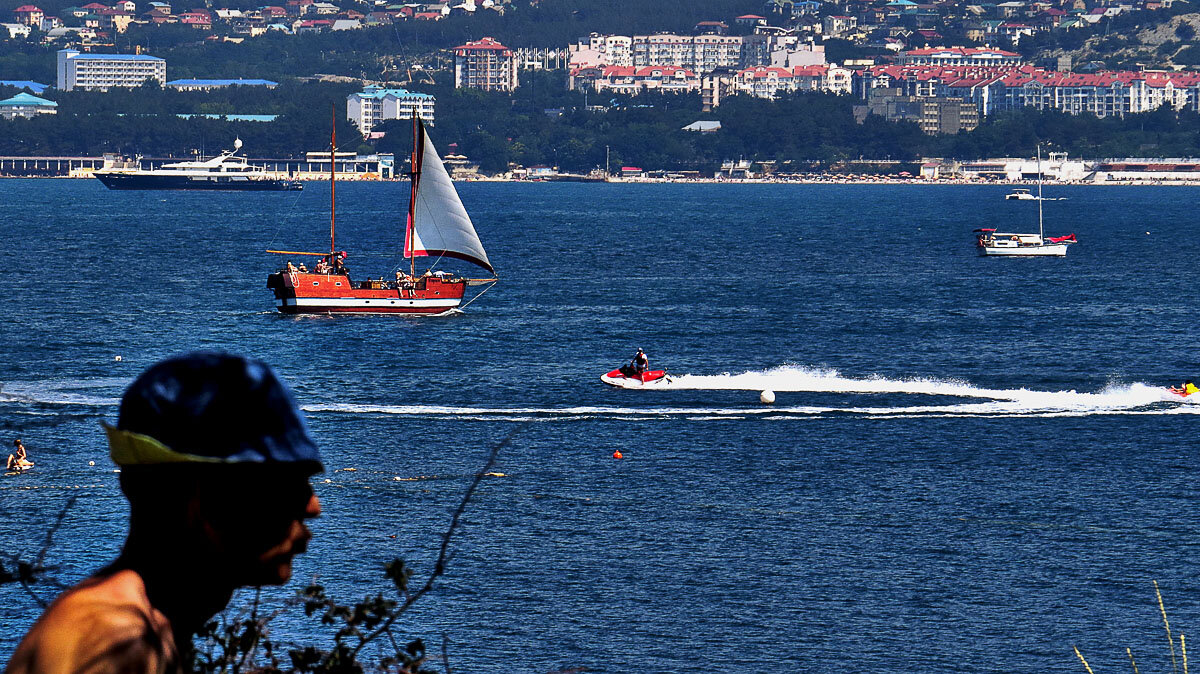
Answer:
(101, 72)
(374, 104)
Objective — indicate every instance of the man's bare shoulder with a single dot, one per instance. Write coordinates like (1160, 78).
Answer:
(105, 623)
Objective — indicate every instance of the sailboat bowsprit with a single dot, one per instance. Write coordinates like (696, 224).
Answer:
(437, 226)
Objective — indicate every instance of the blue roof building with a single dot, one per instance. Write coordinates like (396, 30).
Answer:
(101, 72)
(25, 84)
(26, 105)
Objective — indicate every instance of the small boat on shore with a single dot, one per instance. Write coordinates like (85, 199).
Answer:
(437, 226)
(226, 171)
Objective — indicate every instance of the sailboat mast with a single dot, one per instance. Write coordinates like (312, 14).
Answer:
(332, 182)
(1041, 234)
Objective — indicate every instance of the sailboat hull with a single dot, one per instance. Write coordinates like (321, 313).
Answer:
(1044, 250)
(301, 293)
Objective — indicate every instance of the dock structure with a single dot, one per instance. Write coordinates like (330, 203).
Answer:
(48, 166)
(349, 167)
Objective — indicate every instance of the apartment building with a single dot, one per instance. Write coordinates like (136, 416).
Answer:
(704, 53)
(101, 72)
(633, 81)
(959, 56)
(995, 89)
(373, 105)
(485, 64)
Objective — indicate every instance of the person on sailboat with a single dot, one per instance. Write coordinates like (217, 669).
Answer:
(338, 267)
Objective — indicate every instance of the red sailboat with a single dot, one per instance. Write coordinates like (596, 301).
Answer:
(437, 226)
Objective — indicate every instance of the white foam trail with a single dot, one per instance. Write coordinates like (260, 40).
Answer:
(68, 392)
(1134, 398)
(790, 378)
(1113, 399)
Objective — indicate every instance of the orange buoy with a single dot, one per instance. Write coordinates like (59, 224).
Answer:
(617, 454)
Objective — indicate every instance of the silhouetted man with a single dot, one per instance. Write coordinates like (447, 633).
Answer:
(215, 461)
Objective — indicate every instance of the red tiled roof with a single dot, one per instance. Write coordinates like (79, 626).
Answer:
(961, 51)
(28, 9)
(483, 44)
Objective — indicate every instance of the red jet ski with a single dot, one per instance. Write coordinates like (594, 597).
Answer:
(625, 377)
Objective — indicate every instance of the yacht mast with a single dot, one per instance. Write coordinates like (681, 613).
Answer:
(1041, 234)
(332, 182)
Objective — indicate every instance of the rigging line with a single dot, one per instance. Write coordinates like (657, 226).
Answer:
(291, 209)
(481, 292)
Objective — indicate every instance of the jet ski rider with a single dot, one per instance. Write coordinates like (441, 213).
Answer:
(640, 362)
(1186, 389)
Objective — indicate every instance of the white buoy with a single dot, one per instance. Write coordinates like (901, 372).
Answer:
(767, 397)
(117, 358)
(91, 463)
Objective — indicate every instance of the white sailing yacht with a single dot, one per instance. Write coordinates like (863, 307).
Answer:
(989, 241)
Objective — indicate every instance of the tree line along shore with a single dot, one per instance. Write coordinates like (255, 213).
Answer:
(543, 124)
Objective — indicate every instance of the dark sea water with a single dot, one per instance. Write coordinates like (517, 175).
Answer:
(970, 466)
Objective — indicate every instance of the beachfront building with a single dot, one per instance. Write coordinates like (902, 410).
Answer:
(373, 105)
(485, 64)
(101, 72)
(26, 105)
(934, 115)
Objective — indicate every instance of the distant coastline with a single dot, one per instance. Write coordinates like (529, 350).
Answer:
(831, 180)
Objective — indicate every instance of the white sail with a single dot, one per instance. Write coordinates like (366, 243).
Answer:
(440, 224)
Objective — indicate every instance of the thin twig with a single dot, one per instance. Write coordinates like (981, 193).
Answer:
(62, 515)
(38, 600)
(258, 628)
(1085, 664)
(38, 565)
(445, 654)
(1167, 624)
(395, 646)
(440, 566)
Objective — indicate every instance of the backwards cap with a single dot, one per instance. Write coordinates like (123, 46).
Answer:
(211, 407)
